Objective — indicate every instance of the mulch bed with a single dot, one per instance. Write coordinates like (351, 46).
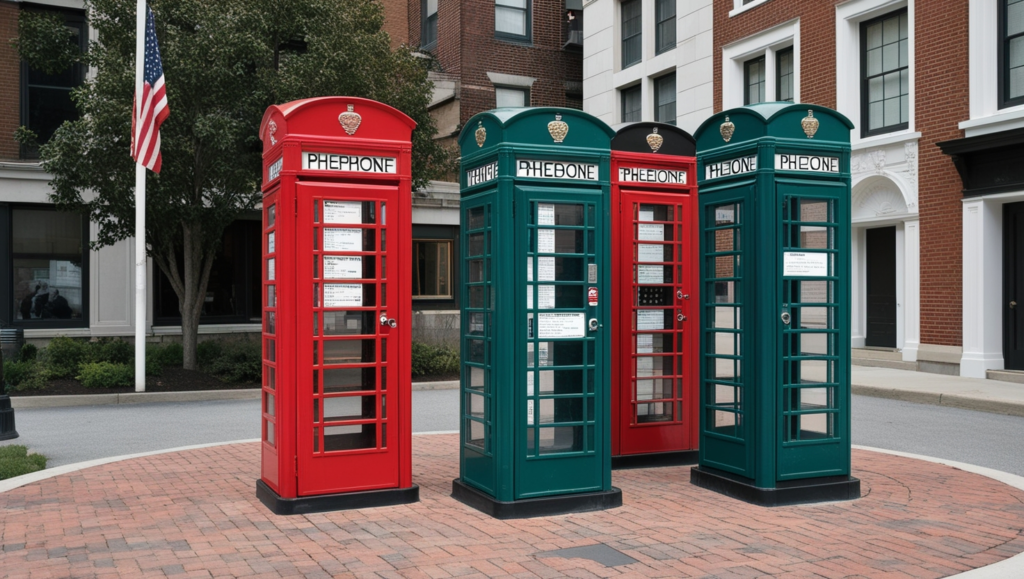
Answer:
(172, 380)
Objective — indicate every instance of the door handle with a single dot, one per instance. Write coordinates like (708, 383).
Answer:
(593, 324)
(385, 321)
(1013, 305)
(786, 318)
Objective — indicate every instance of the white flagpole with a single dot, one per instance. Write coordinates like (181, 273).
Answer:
(140, 212)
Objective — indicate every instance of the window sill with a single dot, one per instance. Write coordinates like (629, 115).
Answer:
(1004, 120)
(523, 41)
(209, 329)
(886, 139)
(746, 7)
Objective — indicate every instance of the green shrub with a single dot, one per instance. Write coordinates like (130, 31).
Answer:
(16, 461)
(28, 352)
(115, 351)
(21, 376)
(430, 360)
(63, 356)
(207, 352)
(154, 367)
(170, 354)
(239, 361)
(106, 375)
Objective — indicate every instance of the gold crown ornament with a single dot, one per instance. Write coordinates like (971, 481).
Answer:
(727, 129)
(271, 129)
(481, 135)
(809, 124)
(558, 129)
(655, 140)
(350, 120)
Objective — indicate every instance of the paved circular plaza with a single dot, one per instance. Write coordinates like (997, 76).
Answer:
(195, 513)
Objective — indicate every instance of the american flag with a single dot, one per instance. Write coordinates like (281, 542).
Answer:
(153, 109)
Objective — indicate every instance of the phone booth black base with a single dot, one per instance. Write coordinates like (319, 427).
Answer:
(7, 430)
(335, 502)
(538, 507)
(655, 459)
(795, 492)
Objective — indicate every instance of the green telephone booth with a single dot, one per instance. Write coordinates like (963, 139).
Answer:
(536, 341)
(775, 328)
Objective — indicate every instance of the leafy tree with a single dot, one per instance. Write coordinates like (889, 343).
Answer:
(224, 62)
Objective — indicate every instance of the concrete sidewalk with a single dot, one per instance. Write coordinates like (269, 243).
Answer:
(924, 388)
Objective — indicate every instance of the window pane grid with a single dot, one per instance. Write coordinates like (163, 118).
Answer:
(632, 47)
(754, 81)
(477, 331)
(1012, 48)
(631, 105)
(665, 99)
(784, 71)
(722, 321)
(511, 17)
(886, 76)
(665, 31)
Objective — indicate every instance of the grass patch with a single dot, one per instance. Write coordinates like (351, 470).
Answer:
(16, 461)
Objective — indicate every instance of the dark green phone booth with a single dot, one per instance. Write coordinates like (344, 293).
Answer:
(775, 328)
(535, 290)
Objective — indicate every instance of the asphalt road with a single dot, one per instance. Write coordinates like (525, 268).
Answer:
(68, 435)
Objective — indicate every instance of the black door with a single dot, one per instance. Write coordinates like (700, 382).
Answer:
(1013, 286)
(881, 331)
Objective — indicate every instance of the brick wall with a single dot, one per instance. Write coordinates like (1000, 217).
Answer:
(10, 83)
(396, 21)
(942, 101)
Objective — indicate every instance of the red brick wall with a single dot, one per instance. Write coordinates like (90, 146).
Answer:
(10, 83)
(942, 101)
(396, 21)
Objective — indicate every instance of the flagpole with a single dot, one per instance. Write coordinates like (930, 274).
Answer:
(140, 211)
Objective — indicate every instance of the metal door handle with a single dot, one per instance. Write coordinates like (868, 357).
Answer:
(681, 317)
(679, 295)
(1013, 305)
(786, 318)
(385, 321)
(593, 324)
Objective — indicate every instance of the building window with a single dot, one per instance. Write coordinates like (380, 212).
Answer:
(665, 31)
(665, 99)
(46, 98)
(233, 292)
(1011, 52)
(511, 97)
(49, 257)
(428, 32)
(512, 19)
(784, 75)
(632, 38)
(431, 269)
(631, 104)
(885, 85)
(753, 81)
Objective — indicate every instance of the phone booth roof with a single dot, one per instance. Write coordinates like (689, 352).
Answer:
(534, 126)
(781, 120)
(632, 138)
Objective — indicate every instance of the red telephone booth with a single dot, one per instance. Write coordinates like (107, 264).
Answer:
(655, 346)
(337, 239)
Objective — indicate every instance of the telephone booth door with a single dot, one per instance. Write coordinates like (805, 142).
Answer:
(346, 337)
(655, 373)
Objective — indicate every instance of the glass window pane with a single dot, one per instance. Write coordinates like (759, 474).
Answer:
(510, 97)
(510, 20)
(47, 252)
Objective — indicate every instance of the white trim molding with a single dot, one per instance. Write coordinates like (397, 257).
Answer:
(982, 287)
(983, 67)
(767, 43)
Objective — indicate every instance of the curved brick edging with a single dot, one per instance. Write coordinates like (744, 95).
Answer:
(196, 510)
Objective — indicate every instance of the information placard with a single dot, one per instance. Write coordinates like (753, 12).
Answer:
(645, 343)
(545, 214)
(339, 239)
(343, 267)
(650, 274)
(545, 269)
(529, 383)
(650, 232)
(561, 325)
(343, 212)
(545, 241)
(545, 297)
(529, 269)
(529, 411)
(270, 269)
(647, 253)
(342, 295)
(650, 319)
(795, 263)
(646, 215)
(270, 242)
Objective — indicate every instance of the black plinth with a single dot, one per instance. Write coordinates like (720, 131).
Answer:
(795, 492)
(336, 502)
(537, 507)
(7, 430)
(655, 459)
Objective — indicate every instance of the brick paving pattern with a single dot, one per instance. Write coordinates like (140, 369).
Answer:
(195, 514)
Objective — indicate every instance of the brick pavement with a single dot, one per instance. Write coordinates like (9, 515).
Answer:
(194, 513)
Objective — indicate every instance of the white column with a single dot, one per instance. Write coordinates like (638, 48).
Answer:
(982, 288)
(911, 305)
(858, 285)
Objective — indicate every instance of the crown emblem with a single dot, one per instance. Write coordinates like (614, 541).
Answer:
(350, 120)
(481, 135)
(655, 140)
(558, 129)
(809, 124)
(271, 129)
(727, 129)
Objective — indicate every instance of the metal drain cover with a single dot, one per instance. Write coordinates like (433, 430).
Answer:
(603, 554)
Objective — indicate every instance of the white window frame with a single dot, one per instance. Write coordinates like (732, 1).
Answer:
(738, 7)
(767, 43)
(986, 116)
(849, 16)
(512, 81)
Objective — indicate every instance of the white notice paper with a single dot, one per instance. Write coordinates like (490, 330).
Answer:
(804, 264)
(270, 242)
(545, 297)
(529, 383)
(341, 295)
(338, 267)
(645, 343)
(270, 270)
(545, 241)
(529, 297)
(650, 274)
(529, 411)
(646, 253)
(650, 319)
(337, 239)
(644, 366)
(542, 353)
(646, 216)
(545, 269)
(343, 212)
(650, 232)
(561, 325)
(529, 269)
(545, 214)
